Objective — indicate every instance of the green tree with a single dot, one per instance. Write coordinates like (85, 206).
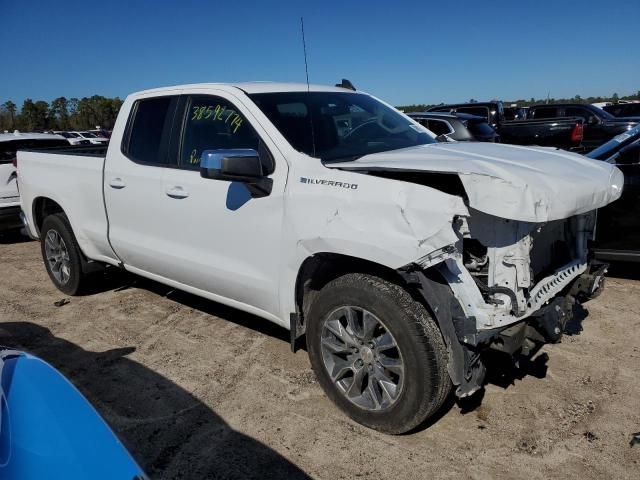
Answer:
(34, 115)
(615, 98)
(8, 119)
(59, 114)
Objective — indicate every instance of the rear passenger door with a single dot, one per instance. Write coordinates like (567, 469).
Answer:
(220, 239)
(133, 187)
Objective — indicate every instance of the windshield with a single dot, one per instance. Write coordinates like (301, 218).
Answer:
(604, 114)
(88, 134)
(480, 128)
(616, 143)
(336, 126)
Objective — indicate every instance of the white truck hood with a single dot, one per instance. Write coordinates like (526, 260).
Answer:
(519, 183)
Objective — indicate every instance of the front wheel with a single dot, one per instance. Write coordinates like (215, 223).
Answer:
(377, 353)
(61, 254)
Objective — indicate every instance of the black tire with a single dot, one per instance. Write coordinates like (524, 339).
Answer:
(426, 383)
(78, 279)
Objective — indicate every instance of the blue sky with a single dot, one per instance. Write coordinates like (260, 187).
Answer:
(404, 52)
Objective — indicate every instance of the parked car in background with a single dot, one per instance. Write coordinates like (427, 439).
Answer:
(325, 211)
(599, 125)
(566, 133)
(618, 229)
(9, 144)
(515, 113)
(492, 112)
(563, 133)
(73, 138)
(101, 133)
(623, 109)
(93, 138)
(460, 126)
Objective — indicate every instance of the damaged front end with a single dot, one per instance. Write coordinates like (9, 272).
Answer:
(505, 285)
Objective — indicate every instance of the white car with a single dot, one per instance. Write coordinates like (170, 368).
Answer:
(9, 197)
(332, 214)
(93, 138)
(73, 138)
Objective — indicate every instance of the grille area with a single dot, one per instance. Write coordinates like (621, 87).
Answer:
(553, 246)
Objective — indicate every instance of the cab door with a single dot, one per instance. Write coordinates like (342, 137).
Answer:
(221, 239)
(133, 187)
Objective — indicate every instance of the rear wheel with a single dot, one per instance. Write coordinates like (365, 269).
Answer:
(61, 254)
(377, 353)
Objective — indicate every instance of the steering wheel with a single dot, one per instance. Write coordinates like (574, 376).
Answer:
(378, 121)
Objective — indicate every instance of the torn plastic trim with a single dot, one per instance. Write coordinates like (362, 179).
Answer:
(464, 365)
(437, 256)
(490, 316)
(465, 342)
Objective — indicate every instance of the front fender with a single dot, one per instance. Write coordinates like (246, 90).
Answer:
(384, 221)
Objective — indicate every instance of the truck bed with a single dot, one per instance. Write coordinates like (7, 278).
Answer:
(72, 177)
(82, 150)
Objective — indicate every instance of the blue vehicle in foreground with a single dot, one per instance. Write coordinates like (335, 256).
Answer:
(48, 429)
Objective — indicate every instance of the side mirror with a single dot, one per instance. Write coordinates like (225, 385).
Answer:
(236, 165)
(442, 138)
(592, 120)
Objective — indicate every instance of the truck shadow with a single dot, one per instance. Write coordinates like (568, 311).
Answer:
(119, 280)
(13, 236)
(503, 371)
(626, 270)
(170, 432)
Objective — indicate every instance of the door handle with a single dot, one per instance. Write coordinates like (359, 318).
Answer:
(117, 183)
(177, 192)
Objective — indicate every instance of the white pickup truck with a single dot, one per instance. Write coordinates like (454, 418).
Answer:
(326, 211)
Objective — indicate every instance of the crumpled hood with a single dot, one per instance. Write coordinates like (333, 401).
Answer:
(528, 184)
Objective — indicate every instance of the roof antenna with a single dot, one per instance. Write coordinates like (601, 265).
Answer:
(306, 70)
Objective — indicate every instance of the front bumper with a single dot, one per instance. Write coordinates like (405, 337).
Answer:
(466, 342)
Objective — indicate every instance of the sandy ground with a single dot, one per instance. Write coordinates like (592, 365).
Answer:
(198, 390)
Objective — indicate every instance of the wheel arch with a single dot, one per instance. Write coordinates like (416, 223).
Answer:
(319, 269)
(41, 208)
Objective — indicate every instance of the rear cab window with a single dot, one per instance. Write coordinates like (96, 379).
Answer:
(545, 112)
(149, 130)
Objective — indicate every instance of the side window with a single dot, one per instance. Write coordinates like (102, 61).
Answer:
(438, 127)
(545, 112)
(212, 123)
(149, 128)
(579, 112)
